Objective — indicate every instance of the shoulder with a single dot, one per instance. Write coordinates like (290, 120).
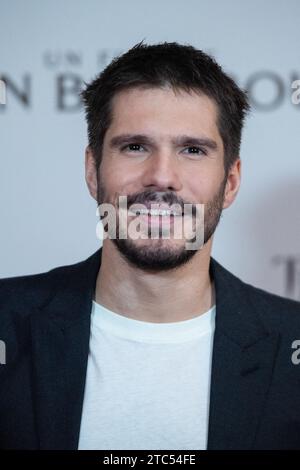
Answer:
(271, 299)
(21, 293)
(275, 310)
(272, 308)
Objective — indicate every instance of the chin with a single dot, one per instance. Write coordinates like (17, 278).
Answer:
(154, 255)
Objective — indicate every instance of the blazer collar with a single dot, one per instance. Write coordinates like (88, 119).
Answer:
(60, 344)
(243, 355)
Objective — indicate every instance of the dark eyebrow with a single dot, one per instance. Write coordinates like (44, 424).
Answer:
(118, 140)
(201, 141)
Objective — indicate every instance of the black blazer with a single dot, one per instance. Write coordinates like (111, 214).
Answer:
(45, 324)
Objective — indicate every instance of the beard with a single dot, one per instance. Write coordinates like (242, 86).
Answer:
(160, 254)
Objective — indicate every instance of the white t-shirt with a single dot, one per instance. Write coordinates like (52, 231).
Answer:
(147, 384)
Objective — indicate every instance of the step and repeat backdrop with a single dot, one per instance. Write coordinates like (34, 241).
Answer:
(49, 48)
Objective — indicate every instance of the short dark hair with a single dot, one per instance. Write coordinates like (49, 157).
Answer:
(164, 64)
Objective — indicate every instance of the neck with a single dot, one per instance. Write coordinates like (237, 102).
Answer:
(176, 295)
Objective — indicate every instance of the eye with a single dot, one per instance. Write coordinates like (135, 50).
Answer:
(132, 147)
(196, 150)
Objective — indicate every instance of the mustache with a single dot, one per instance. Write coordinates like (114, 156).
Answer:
(154, 197)
(150, 196)
(147, 197)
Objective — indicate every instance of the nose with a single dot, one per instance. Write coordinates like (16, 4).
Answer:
(162, 172)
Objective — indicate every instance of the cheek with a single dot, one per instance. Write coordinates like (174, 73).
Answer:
(201, 189)
(117, 180)
(114, 168)
(110, 173)
(204, 179)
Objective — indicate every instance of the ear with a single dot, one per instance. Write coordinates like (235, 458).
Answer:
(91, 172)
(233, 183)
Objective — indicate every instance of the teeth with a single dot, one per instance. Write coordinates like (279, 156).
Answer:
(154, 212)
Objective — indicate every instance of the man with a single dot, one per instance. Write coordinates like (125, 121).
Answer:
(148, 344)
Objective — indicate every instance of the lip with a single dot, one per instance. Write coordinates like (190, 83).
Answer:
(157, 205)
(154, 206)
(157, 220)
(154, 216)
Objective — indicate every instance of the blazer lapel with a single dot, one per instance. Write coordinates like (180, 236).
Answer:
(244, 352)
(60, 346)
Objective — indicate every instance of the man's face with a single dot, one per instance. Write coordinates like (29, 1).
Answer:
(149, 155)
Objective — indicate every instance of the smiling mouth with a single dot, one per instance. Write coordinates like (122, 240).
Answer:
(155, 213)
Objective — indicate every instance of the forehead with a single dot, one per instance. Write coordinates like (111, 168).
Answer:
(159, 110)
